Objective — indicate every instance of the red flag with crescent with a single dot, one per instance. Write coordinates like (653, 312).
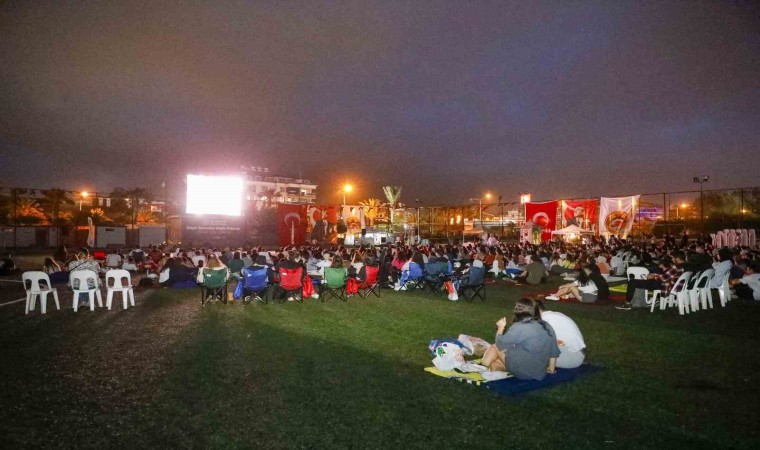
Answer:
(544, 216)
(291, 224)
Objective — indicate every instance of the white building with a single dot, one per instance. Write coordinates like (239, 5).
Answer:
(261, 185)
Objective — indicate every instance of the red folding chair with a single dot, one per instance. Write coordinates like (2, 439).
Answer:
(370, 284)
(290, 282)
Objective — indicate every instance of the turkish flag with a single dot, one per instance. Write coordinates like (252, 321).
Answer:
(582, 214)
(291, 224)
(544, 216)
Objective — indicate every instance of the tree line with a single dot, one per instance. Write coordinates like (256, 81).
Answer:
(59, 207)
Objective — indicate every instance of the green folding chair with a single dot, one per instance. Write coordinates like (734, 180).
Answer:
(334, 284)
(215, 282)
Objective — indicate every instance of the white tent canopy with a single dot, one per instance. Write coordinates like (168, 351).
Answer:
(572, 229)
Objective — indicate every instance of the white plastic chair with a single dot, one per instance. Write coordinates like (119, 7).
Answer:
(114, 279)
(639, 273)
(35, 289)
(82, 277)
(678, 295)
(700, 292)
(724, 291)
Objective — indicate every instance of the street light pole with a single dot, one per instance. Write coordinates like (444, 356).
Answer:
(419, 228)
(346, 189)
(82, 196)
(480, 208)
(702, 180)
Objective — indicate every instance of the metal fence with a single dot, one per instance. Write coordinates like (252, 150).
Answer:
(692, 211)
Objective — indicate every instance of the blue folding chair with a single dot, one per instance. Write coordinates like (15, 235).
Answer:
(255, 284)
(412, 278)
(473, 285)
(434, 278)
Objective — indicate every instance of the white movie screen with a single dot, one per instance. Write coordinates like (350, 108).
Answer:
(214, 195)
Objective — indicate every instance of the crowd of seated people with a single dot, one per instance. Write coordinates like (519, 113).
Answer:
(587, 266)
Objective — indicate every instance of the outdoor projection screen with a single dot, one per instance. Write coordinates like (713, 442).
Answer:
(214, 195)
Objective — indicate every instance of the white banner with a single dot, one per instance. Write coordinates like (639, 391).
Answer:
(616, 215)
(90, 233)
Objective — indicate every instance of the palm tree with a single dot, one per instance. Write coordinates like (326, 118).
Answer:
(52, 201)
(16, 194)
(134, 196)
(371, 209)
(392, 193)
(146, 216)
(98, 216)
(29, 212)
(269, 195)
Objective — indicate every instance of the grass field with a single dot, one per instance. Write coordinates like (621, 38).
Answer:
(169, 374)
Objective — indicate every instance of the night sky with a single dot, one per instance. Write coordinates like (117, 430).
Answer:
(447, 99)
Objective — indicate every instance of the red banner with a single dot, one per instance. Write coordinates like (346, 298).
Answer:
(582, 214)
(291, 224)
(544, 216)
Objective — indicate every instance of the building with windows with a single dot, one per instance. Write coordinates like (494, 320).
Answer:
(263, 188)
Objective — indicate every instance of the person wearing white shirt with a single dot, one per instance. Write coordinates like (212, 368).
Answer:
(325, 262)
(113, 260)
(569, 338)
(748, 287)
(198, 257)
(721, 268)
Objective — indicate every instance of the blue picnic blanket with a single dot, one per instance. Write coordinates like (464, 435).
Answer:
(511, 387)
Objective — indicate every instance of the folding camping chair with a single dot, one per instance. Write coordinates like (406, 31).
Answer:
(434, 278)
(412, 278)
(216, 282)
(334, 284)
(255, 284)
(474, 285)
(291, 282)
(370, 284)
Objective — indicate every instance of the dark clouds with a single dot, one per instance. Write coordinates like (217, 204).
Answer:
(448, 99)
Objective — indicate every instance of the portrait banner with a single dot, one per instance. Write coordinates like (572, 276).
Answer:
(616, 215)
(582, 214)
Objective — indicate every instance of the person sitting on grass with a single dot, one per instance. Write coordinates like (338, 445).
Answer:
(534, 273)
(49, 266)
(528, 350)
(588, 288)
(569, 338)
(748, 287)
(236, 264)
(130, 265)
(148, 265)
(164, 271)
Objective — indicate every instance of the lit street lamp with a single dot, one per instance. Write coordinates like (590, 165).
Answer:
(678, 207)
(346, 189)
(82, 196)
(480, 206)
